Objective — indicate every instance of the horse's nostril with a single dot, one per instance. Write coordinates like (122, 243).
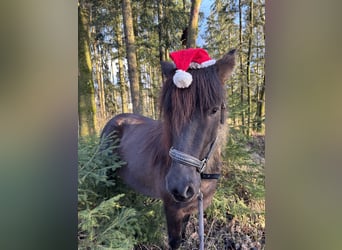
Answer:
(184, 195)
(189, 192)
(175, 192)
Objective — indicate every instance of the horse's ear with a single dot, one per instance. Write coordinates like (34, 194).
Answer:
(225, 65)
(168, 68)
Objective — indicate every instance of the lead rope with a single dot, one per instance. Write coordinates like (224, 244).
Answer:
(191, 161)
(200, 220)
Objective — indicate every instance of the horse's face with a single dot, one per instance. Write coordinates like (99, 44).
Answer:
(195, 139)
(199, 126)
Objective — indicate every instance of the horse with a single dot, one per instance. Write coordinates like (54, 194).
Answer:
(179, 155)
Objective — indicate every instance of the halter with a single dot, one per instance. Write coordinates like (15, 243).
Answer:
(191, 161)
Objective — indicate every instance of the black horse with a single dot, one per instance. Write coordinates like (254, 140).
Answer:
(165, 158)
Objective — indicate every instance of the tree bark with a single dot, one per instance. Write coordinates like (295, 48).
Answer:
(121, 69)
(260, 108)
(99, 78)
(193, 24)
(160, 30)
(133, 73)
(86, 94)
(248, 73)
(160, 34)
(241, 69)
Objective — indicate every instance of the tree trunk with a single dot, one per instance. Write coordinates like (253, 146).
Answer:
(249, 58)
(160, 30)
(260, 110)
(193, 24)
(99, 78)
(151, 92)
(156, 87)
(241, 69)
(86, 94)
(160, 33)
(131, 55)
(121, 69)
(260, 107)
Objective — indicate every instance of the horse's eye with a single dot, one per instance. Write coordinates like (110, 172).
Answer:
(214, 110)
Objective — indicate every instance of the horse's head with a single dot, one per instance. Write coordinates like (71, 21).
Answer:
(191, 119)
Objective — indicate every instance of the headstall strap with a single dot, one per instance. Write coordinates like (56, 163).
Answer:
(223, 107)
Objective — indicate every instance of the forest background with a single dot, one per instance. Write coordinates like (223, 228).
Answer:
(39, 71)
(121, 44)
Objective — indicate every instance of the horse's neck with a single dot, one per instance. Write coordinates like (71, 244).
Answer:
(214, 164)
(157, 143)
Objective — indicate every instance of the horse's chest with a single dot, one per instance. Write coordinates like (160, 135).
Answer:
(208, 188)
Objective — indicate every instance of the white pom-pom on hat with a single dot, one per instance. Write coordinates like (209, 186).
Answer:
(182, 79)
(189, 58)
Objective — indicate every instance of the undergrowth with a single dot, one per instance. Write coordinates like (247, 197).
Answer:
(109, 215)
(112, 216)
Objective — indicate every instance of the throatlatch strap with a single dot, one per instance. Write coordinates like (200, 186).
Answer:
(210, 176)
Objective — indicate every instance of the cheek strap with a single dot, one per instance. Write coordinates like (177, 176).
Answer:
(223, 112)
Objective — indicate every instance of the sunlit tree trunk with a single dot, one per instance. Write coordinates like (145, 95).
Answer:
(151, 92)
(160, 30)
(121, 69)
(99, 79)
(156, 87)
(249, 58)
(241, 68)
(260, 108)
(86, 95)
(133, 73)
(193, 24)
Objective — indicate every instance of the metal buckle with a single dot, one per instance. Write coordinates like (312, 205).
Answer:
(203, 165)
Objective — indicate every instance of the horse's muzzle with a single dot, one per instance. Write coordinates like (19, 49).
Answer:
(183, 195)
(182, 182)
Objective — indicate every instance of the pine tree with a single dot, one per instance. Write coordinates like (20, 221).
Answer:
(86, 95)
(240, 24)
(193, 24)
(131, 55)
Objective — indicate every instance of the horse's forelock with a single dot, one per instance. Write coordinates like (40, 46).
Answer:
(178, 105)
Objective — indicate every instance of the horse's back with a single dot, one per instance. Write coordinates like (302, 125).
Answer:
(118, 123)
(135, 133)
(132, 131)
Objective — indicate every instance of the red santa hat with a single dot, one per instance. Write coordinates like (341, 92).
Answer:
(189, 58)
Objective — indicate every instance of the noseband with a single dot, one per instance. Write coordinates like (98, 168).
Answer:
(190, 161)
